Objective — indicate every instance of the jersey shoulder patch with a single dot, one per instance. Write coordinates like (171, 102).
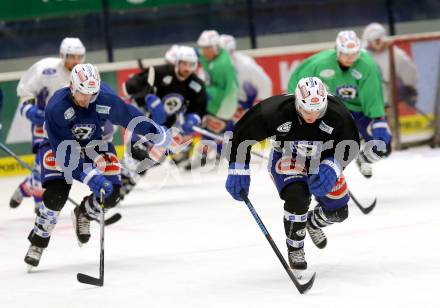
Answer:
(356, 74)
(326, 128)
(69, 113)
(102, 109)
(195, 86)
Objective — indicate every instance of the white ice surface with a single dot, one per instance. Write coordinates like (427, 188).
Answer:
(191, 245)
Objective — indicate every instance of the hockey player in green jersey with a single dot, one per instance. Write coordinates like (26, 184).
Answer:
(352, 75)
(221, 86)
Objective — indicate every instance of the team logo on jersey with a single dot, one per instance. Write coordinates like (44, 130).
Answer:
(325, 127)
(347, 92)
(195, 86)
(83, 131)
(69, 113)
(103, 109)
(172, 103)
(49, 71)
(108, 164)
(356, 74)
(167, 80)
(49, 161)
(327, 73)
(285, 127)
(289, 166)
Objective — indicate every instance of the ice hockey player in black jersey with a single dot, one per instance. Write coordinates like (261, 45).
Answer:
(314, 138)
(172, 95)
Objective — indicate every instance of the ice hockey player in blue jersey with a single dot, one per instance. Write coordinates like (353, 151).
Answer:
(76, 150)
(35, 88)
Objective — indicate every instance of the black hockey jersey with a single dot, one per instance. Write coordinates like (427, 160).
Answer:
(278, 118)
(187, 96)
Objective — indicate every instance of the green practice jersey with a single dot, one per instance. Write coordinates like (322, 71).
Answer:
(359, 87)
(221, 85)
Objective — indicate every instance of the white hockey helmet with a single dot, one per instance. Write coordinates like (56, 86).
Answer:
(208, 38)
(311, 95)
(373, 31)
(85, 78)
(348, 43)
(187, 54)
(227, 42)
(72, 46)
(170, 54)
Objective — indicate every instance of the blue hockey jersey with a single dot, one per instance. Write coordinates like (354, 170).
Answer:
(64, 120)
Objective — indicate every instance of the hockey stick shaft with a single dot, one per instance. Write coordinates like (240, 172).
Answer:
(83, 278)
(25, 165)
(114, 218)
(365, 210)
(101, 237)
(302, 288)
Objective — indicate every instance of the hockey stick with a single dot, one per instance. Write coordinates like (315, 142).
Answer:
(83, 278)
(365, 210)
(111, 220)
(302, 288)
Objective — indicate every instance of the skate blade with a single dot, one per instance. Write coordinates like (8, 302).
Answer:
(30, 268)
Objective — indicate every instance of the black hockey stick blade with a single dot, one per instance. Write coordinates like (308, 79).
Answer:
(302, 288)
(112, 219)
(83, 278)
(365, 210)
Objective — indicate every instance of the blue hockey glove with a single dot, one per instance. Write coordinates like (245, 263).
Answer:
(96, 181)
(35, 115)
(156, 108)
(191, 119)
(239, 179)
(322, 182)
(381, 131)
(42, 98)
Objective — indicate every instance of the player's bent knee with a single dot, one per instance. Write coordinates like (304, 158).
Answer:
(297, 198)
(56, 194)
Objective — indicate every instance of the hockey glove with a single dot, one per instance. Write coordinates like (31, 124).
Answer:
(322, 181)
(380, 130)
(238, 180)
(156, 108)
(35, 115)
(191, 119)
(96, 181)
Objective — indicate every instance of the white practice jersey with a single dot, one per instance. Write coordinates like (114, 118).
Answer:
(405, 69)
(249, 71)
(47, 73)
